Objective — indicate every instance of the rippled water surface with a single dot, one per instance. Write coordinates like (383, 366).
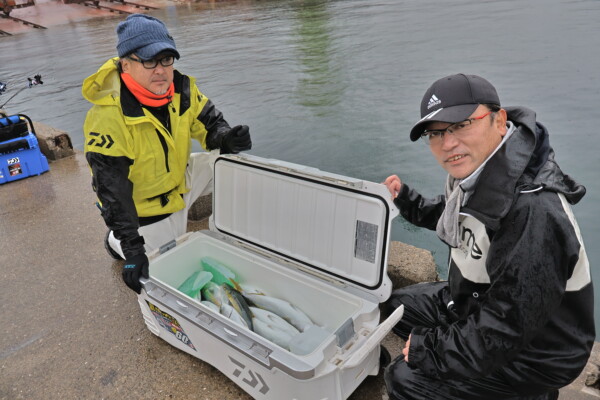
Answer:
(337, 84)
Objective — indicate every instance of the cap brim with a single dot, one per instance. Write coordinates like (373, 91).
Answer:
(448, 114)
(152, 50)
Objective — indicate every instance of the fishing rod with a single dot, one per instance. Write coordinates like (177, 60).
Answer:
(37, 80)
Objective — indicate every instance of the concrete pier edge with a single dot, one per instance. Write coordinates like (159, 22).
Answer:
(54, 144)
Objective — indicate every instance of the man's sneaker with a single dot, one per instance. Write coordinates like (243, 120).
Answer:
(109, 249)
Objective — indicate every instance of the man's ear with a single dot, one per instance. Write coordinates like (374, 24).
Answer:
(123, 65)
(500, 121)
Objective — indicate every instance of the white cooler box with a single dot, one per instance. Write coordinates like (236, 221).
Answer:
(317, 240)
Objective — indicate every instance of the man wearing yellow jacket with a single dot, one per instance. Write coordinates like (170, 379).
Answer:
(138, 143)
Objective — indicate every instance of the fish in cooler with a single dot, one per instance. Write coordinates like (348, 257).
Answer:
(237, 301)
(272, 327)
(215, 294)
(284, 309)
(228, 311)
(275, 319)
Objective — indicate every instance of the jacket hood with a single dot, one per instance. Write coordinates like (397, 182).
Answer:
(525, 162)
(542, 169)
(103, 87)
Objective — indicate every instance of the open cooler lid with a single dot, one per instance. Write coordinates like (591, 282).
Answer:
(329, 225)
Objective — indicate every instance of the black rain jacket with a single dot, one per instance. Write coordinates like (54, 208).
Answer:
(520, 278)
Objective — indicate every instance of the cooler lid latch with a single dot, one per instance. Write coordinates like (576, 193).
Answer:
(345, 332)
(167, 246)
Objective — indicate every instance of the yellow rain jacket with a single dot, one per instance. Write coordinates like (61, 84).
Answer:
(138, 165)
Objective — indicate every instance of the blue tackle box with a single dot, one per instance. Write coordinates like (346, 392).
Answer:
(20, 155)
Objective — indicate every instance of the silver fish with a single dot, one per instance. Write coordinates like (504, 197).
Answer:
(285, 310)
(247, 289)
(273, 320)
(277, 336)
(210, 305)
(228, 311)
(237, 301)
(215, 294)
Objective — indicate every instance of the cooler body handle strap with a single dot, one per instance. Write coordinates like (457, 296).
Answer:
(374, 339)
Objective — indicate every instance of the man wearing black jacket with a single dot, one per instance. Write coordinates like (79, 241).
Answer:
(515, 318)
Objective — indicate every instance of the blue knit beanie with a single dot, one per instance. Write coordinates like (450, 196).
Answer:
(145, 36)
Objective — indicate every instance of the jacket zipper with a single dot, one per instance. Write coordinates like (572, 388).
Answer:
(163, 142)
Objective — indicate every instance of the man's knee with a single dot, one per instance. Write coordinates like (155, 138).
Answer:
(199, 173)
(402, 328)
(422, 303)
(405, 383)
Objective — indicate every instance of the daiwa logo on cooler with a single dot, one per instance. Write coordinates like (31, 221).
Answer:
(251, 378)
(433, 101)
(13, 160)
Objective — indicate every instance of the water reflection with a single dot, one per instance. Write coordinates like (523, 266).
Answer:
(321, 84)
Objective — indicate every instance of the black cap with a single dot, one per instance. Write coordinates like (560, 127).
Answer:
(453, 99)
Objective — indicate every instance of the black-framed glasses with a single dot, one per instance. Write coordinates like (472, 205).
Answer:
(459, 129)
(166, 61)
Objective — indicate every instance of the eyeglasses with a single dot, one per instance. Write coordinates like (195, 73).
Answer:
(152, 63)
(434, 136)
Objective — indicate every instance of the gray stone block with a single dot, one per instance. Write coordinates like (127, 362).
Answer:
(54, 144)
(408, 265)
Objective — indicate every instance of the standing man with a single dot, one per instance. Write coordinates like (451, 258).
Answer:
(515, 318)
(138, 143)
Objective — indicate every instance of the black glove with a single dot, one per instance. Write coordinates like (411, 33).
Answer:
(133, 268)
(236, 140)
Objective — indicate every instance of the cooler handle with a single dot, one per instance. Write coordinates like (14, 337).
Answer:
(374, 339)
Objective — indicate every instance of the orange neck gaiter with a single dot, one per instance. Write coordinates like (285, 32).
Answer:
(145, 96)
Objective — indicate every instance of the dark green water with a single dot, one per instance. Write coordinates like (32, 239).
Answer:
(337, 84)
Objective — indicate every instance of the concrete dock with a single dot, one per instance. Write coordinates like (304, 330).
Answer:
(71, 329)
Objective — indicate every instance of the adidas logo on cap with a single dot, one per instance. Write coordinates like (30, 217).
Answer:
(433, 101)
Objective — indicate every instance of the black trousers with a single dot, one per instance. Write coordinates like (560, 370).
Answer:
(425, 305)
